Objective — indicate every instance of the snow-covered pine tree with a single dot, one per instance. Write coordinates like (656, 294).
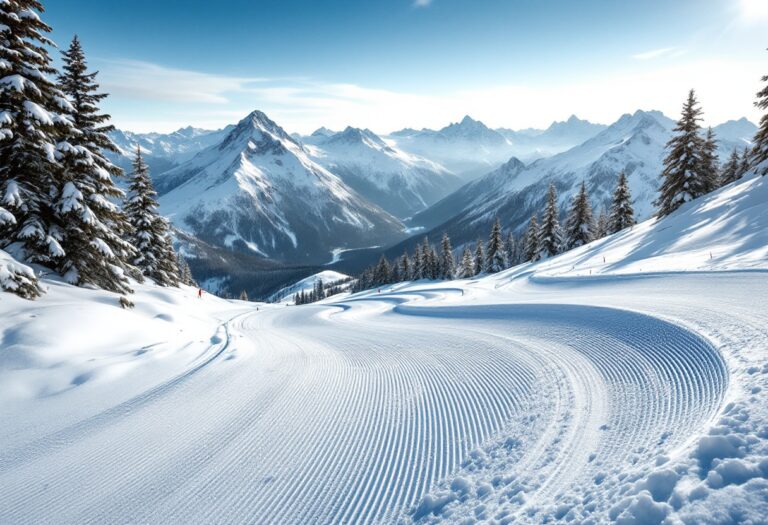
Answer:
(467, 268)
(418, 264)
(243, 295)
(185, 273)
(394, 274)
(601, 225)
(149, 232)
(746, 161)
(383, 272)
(434, 264)
(579, 226)
(495, 254)
(32, 127)
(683, 178)
(731, 171)
(710, 162)
(511, 248)
(622, 214)
(405, 267)
(531, 240)
(479, 257)
(447, 265)
(93, 227)
(759, 154)
(550, 233)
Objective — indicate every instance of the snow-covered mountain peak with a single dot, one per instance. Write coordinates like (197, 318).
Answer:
(323, 132)
(471, 129)
(358, 136)
(257, 134)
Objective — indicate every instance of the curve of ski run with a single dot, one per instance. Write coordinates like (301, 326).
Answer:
(353, 412)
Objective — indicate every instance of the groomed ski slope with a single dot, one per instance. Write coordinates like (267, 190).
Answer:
(536, 395)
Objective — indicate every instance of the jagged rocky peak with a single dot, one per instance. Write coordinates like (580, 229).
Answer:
(258, 133)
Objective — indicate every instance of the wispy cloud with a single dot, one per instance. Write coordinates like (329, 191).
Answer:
(172, 98)
(421, 3)
(656, 53)
(147, 81)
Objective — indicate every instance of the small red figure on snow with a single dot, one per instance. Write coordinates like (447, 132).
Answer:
(199, 293)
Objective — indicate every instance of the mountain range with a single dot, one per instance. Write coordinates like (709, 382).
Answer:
(286, 201)
(259, 191)
(514, 191)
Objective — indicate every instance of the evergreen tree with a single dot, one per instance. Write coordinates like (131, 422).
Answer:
(622, 214)
(93, 228)
(479, 257)
(746, 162)
(579, 226)
(511, 246)
(405, 267)
(447, 266)
(684, 177)
(185, 273)
(467, 268)
(531, 240)
(601, 227)
(759, 155)
(433, 264)
(150, 233)
(319, 291)
(418, 264)
(731, 171)
(709, 162)
(383, 272)
(496, 260)
(550, 234)
(33, 128)
(243, 295)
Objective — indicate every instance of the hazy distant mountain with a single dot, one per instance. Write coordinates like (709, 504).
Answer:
(468, 148)
(399, 182)
(734, 134)
(259, 191)
(532, 144)
(635, 143)
(162, 151)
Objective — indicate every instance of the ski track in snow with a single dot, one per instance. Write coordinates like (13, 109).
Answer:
(353, 412)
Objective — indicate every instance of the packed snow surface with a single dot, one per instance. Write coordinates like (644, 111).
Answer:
(540, 394)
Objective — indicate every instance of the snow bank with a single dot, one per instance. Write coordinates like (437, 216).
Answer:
(71, 336)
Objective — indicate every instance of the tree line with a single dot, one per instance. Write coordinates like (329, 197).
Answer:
(59, 204)
(691, 169)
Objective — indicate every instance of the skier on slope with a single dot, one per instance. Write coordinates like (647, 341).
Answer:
(199, 293)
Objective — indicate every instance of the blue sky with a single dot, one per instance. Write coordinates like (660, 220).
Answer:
(386, 64)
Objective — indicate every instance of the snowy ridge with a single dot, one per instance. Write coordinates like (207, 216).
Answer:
(162, 151)
(399, 182)
(259, 191)
(306, 285)
(468, 148)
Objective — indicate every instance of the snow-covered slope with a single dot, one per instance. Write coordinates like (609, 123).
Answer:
(286, 294)
(400, 183)
(162, 151)
(538, 395)
(258, 190)
(468, 148)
